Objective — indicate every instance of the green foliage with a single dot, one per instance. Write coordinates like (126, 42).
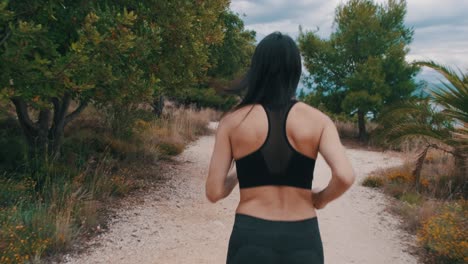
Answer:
(423, 119)
(205, 97)
(413, 119)
(453, 97)
(362, 66)
(40, 63)
(222, 55)
(367, 87)
(231, 57)
(188, 29)
(53, 53)
(114, 55)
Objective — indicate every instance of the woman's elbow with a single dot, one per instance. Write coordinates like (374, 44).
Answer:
(213, 196)
(350, 179)
(347, 178)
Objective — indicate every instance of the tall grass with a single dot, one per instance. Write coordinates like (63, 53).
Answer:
(168, 135)
(37, 222)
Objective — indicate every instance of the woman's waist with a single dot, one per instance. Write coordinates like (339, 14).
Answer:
(291, 209)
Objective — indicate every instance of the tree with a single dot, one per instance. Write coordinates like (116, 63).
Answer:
(415, 119)
(229, 61)
(230, 58)
(56, 52)
(453, 97)
(444, 129)
(188, 30)
(361, 67)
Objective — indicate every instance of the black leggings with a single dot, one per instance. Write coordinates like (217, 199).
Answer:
(257, 240)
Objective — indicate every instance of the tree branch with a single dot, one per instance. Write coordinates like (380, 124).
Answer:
(23, 114)
(60, 111)
(453, 153)
(77, 111)
(57, 106)
(65, 104)
(5, 38)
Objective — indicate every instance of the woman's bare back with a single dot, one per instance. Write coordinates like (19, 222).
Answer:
(304, 126)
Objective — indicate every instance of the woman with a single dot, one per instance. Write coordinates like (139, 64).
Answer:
(274, 141)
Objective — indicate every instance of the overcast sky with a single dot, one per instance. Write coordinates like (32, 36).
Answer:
(441, 27)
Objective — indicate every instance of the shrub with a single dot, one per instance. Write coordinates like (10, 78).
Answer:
(409, 214)
(22, 238)
(168, 149)
(411, 198)
(400, 176)
(203, 98)
(38, 220)
(446, 234)
(394, 189)
(373, 181)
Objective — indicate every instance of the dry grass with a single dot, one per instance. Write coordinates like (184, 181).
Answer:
(435, 211)
(414, 215)
(177, 127)
(91, 118)
(440, 177)
(349, 129)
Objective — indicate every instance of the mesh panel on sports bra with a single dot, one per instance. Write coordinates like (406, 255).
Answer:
(276, 150)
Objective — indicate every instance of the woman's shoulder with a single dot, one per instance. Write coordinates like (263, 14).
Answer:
(302, 111)
(309, 112)
(235, 115)
(232, 118)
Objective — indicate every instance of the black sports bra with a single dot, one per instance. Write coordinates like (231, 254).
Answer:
(276, 162)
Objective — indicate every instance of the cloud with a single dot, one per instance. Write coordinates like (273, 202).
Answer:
(267, 11)
(265, 16)
(441, 27)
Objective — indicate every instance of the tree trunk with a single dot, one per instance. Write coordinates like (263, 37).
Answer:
(460, 161)
(44, 137)
(362, 126)
(56, 131)
(158, 105)
(30, 131)
(418, 168)
(43, 131)
(61, 119)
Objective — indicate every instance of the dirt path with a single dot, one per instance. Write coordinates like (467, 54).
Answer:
(177, 224)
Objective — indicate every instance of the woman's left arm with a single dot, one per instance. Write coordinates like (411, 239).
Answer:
(219, 184)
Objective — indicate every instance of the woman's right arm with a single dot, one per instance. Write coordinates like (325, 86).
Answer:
(333, 152)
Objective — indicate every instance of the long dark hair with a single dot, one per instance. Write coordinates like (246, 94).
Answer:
(274, 72)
